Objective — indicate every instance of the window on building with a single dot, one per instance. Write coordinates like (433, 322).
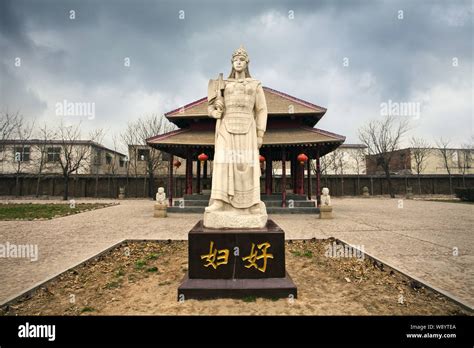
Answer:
(53, 154)
(454, 157)
(108, 158)
(21, 153)
(143, 154)
(98, 157)
(122, 162)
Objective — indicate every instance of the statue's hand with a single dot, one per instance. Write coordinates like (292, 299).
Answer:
(259, 142)
(216, 113)
(219, 104)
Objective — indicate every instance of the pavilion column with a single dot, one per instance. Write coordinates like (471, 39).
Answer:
(204, 174)
(318, 179)
(293, 173)
(189, 174)
(198, 178)
(268, 174)
(300, 178)
(283, 177)
(170, 181)
(308, 168)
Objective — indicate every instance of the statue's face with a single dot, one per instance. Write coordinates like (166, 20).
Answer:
(161, 190)
(239, 63)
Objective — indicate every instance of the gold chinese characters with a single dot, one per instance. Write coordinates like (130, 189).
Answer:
(257, 258)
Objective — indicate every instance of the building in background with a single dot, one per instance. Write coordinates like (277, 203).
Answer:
(347, 159)
(403, 162)
(34, 156)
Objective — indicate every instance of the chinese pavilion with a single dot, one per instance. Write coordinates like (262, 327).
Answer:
(290, 137)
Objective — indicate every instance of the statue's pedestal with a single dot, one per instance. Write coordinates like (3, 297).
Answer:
(160, 211)
(226, 219)
(325, 212)
(234, 218)
(236, 263)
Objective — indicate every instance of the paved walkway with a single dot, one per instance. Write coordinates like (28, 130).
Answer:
(418, 238)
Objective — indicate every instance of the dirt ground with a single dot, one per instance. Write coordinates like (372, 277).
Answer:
(142, 278)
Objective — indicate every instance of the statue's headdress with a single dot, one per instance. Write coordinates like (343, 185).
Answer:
(240, 52)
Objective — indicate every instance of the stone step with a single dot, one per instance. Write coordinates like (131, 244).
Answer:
(202, 203)
(277, 197)
(306, 204)
(270, 210)
(189, 210)
(263, 197)
(191, 203)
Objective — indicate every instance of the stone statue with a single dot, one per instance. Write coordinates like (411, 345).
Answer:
(239, 107)
(121, 192)
(325, 210)
(161, 196)
(325, 198)
(365, 191)
(161, 204)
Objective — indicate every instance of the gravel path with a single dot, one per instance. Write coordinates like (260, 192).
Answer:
(420, 238)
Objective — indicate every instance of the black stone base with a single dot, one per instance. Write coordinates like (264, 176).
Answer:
(237, 288)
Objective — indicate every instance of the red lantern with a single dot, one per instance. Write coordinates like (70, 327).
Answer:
(261, 158)
(203, 157)
(177, 164)
(302, 158)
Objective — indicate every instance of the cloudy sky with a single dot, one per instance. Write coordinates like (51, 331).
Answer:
(349, 56)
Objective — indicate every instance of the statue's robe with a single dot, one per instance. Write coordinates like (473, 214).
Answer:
(236, 166)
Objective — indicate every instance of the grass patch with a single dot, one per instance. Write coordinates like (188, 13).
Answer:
(152, 269)
(87, 309)
(152, 256)
(120, 272)
(305, 253)
(139, 264)
(30, 211)
(164, 283)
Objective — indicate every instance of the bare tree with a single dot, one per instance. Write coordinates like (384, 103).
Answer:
(420, 150)
(147, 127)
(22, 133)
(337, 162)
(446, 157)
(45, 135)
(8, 123)
(382, 138)
(73, 155)
(358, 155)
(324, 164)
(113, 164)
(130, 138)
(466, 159)
(98, 136)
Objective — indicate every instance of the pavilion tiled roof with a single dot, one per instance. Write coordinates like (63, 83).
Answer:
(278, 103)
(293, 136)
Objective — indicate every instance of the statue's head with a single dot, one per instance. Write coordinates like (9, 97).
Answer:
(325, 191)
(240, 62)
(161, 190)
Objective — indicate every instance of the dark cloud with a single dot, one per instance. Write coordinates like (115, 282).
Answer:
(405, 60)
